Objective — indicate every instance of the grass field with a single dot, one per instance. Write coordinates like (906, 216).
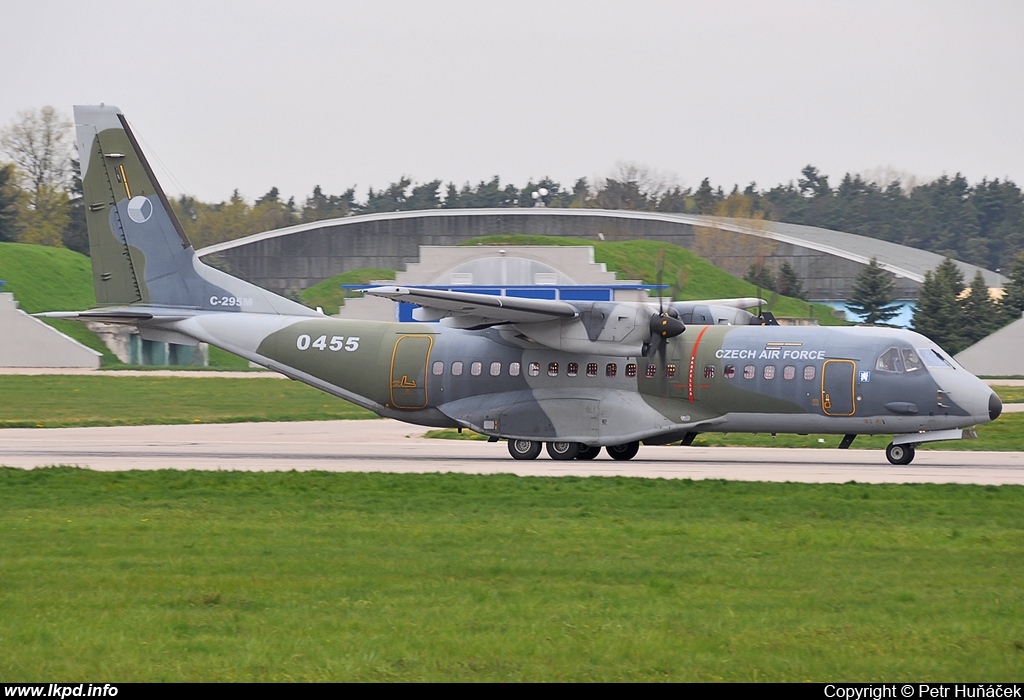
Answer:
(44, 278)
(188, 576)
(330, 296)
(59, 401)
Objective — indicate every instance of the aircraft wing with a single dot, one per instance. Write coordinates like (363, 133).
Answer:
(468, 310)
(736, 303)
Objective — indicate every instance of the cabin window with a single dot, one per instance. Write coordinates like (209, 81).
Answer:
(729, 372)
(553, 369)
(670, 371)
(438, 368)
(769, 372)
(592, 369)
(631, 370)
(495, 369)
(513, 369)
(572, 369)
(652, 371)
(749, 371)
(890, 361)
(709, 371)
(476, 368)
(610, 369)
(789, 372)
(456, 369)
(809, 372)
(534, 369)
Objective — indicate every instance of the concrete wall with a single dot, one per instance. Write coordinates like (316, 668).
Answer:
(26, 341)
(311, 253)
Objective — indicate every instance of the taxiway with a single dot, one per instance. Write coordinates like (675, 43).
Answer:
(390, 446)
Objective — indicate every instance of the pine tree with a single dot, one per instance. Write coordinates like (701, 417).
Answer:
(1012, 304)
(981, 315)
(8, 204)
(939, 314)
(872, 297)
(789, 282)
(760, 275)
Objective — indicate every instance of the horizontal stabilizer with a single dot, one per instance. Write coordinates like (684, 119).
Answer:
(104, 316)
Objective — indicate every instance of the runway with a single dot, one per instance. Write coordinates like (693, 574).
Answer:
(390, 446)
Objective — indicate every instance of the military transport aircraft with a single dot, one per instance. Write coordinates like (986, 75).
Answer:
(576, 376)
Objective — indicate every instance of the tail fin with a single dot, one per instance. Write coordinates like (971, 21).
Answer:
(140, 253)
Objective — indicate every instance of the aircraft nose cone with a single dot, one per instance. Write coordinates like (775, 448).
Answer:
(995, 406)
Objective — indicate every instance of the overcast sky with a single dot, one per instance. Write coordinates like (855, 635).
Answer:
(256, 94)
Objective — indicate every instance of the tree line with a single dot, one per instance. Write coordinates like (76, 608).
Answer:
(948, 311)
(983, 223)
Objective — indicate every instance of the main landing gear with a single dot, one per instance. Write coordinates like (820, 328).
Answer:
(899, 454)
(524, 449)
(530, 449)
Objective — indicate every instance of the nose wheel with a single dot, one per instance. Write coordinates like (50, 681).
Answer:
(899, 454)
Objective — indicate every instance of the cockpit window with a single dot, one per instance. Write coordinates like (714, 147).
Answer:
(910, 360)
(933, 358)
(890, 361)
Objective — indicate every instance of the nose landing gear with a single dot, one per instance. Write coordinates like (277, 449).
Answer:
(899, 454)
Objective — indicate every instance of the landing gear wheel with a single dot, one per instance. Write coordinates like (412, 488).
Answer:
(563, 450)
(623, 452)
(589, 451)
(523, 449)
(899, 454)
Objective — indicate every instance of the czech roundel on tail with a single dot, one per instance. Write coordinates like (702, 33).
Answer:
(574, 376)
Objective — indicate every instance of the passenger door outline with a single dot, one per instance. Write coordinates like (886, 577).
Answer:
(409, 361)
(835, 400)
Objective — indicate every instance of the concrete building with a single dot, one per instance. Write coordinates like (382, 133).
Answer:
(25, 341)
(998, 355)
(535, 272)
(827, 261)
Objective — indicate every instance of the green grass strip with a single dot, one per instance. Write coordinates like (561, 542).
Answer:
(233, 576)
(60, 401)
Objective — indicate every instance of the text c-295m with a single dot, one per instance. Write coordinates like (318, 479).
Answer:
(230, 301)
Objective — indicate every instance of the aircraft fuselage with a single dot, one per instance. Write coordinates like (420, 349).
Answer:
(711, 378)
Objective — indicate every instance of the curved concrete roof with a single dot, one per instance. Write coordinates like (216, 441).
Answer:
(901, 260)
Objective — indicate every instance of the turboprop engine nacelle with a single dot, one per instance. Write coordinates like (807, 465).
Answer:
(605, 328)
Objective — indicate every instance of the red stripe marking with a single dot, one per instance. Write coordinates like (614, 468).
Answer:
(693, 358)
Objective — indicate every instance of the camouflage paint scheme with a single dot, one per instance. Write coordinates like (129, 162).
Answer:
(825, 380)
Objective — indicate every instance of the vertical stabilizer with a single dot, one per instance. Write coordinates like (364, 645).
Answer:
(124, 206)
(140, 253)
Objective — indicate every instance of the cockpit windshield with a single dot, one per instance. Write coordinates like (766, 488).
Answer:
(899, 360)
(934, 358)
